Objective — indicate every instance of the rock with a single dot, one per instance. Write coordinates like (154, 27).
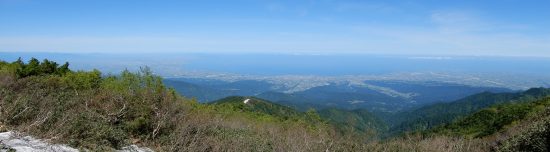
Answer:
(135, 148)
(9, 141)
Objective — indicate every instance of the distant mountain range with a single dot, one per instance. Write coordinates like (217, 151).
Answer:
(374, 95)
(477, 115)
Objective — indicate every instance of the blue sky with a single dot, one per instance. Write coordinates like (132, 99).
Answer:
(477, 27)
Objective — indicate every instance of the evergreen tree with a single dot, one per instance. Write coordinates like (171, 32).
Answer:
(19, 66)
(19, 62)
(63, 69)
(32, 68)
(48, 67)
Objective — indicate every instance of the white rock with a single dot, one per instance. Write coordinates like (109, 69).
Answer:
(29, 144)
(135, 148)
(10, 140)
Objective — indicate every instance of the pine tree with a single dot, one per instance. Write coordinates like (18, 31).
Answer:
(32, 68)
(48, 67)
(63, 69)
(19, 66)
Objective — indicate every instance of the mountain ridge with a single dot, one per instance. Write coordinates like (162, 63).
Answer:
(433, 115)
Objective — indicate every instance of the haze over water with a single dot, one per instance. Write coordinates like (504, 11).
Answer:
(298, 64)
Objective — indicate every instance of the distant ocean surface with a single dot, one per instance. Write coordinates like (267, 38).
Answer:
(286, 64)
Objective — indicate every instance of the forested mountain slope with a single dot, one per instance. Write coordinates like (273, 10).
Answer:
(431, 116)
(516, 126)
(359, 122)
(495, 118)
(263, 107)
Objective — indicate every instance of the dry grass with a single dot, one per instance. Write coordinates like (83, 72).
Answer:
(101, 118)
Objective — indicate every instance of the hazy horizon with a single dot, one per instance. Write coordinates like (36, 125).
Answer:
(295, 64)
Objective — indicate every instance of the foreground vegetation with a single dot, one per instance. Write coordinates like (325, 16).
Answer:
(92, 111)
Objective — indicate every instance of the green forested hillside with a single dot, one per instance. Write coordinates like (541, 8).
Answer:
(261, 108)
(490, 120)
(359, 122)
(431, 116)
(236, 103)
(518, 126)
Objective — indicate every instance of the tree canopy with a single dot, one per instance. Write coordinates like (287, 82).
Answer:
(35, 67)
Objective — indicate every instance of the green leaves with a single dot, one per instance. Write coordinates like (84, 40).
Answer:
(354, 122)
(35, 67)
(490, 120)
(429, 117)
(83, 80)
